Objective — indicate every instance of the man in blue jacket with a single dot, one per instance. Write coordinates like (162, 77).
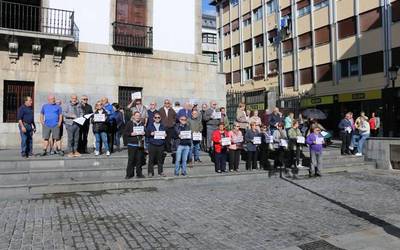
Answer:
(156, 145)
(346, 131)
(112, 125)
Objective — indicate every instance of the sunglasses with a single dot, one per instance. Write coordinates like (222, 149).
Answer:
(157, 117)
(182, 119)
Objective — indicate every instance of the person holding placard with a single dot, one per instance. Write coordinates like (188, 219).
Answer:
(168, 119)
(134, 130)
(241, 118)
(315, 141)
(100, 127)
(72, 111)
(346, 131)
(256, 119)
(235, 148)
(280, 145)
(183, 142)
(265, 147)
(197, 128)
(212, 118)
(253, 141)
(155, 133)
(296, 142)
(221, 141)
(84, 129)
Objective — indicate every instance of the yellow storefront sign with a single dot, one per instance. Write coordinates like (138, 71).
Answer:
(361, 96)
(314, 101)
(255, 106)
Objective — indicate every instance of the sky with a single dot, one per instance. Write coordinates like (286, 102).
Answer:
(208, 9)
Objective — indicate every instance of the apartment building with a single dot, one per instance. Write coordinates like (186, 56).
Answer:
(209, 37)
(101, 48)
(330, 54)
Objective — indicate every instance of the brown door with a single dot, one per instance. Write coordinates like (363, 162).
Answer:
(132, 11)
(14, 93)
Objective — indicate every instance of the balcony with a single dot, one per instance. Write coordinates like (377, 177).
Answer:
(39, 23)
(133, 38)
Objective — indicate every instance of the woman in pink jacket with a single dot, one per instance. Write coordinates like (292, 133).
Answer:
(235, 148)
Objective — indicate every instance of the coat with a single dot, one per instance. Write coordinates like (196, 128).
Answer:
(248, 138)
(134, 140)
(216, 139)
(99, 127)
(170, 121)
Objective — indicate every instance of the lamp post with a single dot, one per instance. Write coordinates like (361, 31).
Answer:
(392, 103)
(393, 74)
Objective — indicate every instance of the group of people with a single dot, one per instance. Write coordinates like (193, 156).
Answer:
(354, 133)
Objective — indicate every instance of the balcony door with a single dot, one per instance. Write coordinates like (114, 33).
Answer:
(14, 93)
(132, 12)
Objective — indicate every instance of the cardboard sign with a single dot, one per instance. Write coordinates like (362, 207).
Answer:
(99, 117)
(139, 130)
(257, 140)
(269, 139)
(323, 133)
(80, 120)
(197, 136)
(348, 130)
(238, 139)
(226, 141)
(217, 115)
(88, 116)
(283, 143)
(159, 135)
(301, 139)
(319, 140)
(186, 134)
(136, 95)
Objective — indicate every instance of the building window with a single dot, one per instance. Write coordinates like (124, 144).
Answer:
(286, 11)
(228, 78)
(288, 79)
(322, 35)
(234, 2)
(257, 13)
(209, 38)
(259, 41)
(370, 20)
(227, 30)
(396, 11)
(236, 50)
(236, 76)
(306, 76)
(212, 55)
(225, 6)
(324, 72)
(259, 71)
(227, 54)
(235, 25)
(372, 63)
(303, 8)
(287, 47)
(248, 45)
(271, 7)
(347, 27)
(272, 35)
(349, 67)
(273, 67)
(14, 93)
(248, 73)
(305, 41)
(319, 4)
(396, 56)
(247, 19)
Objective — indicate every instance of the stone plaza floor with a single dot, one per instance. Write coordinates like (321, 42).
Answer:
(270, 213)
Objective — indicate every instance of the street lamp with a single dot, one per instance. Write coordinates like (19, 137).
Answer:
(393, 74)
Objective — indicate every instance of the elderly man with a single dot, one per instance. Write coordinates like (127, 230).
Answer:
(72, 111)
(168, 119)
(51, 120)
(112, 125)
(186, 111)
(26, 126)
(274, 119)
(137, 106)
(84, 129)
(212, 119)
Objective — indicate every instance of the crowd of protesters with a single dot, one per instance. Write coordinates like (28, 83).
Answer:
(152, 132)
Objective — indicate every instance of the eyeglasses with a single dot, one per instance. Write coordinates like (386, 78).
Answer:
(157, 117)
(84, 99)
(182, 119)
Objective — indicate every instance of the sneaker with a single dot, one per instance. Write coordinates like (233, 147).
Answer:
(52, 153)
(96, 153)
(300, 166)
(358, 154)
(44, 153)
(351, 148)
(77, 154)
(230, 170)
(219, 171)
(108, 153)
(70, 155)
(60, 153)
(318, 174)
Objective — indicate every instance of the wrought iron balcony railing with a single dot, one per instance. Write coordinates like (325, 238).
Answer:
(35, 19)
(132, 37)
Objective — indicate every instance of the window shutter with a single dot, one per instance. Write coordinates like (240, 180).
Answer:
(396, 11)
(305, 40)
(236, 76)
(317, 1)
(306, 76)
(288, 79)
(273, 65)
(259, 69)
(324, 72)
(396, 56)
(248, 45)
(303, 4)
(287, 46)
(228, 78)
(247, 16)
(258, 39)
(372, 63)
(235, 24)
(370, 20)
(225, 6)
(131, 11)
(323, 35)
(236, 49)
(347, 27)
(226, 29)
(286, 11)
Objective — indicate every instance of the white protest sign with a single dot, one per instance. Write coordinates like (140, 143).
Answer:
(80, 120)
(226, 141)
(257, 140)
(319, 140)
(197, 136)
(217, 115)
(136, 95)
(323, 133)
(139, 130)
(99, 117)
(88, 116)
(238, 139)
(187, 134)
(301, 139)
(159, 135)
(283, 143)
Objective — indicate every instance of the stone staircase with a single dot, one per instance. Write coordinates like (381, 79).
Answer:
(53, 174)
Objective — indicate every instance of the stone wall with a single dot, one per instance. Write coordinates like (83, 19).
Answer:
(98, 71)
(378, 149)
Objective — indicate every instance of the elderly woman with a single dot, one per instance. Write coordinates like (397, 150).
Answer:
(252, 140)
(235, 148)
(220, 148)
(256, 119)
(99, 127)
(241, 117)
(280, 145)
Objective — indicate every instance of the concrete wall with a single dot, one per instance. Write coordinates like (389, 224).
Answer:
(378, 149)
(98, 70)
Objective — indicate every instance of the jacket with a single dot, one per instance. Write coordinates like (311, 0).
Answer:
(311, 138)
(71, 111)
(99, 127)
(274, 119)
(183, 112)
(111, 112)
(151, 128)
(86, 110)
(248, 138)
(343, 124)
(196, 124)
(208, 118)
(137, 140)
(241, 118)
(178, 141)
(278, 136)
(293, 133)
(234, 135)
(216, 139)
(119, 119)
(364, 128)
(170, 121)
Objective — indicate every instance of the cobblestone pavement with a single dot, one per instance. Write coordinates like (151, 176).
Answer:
(263, 214)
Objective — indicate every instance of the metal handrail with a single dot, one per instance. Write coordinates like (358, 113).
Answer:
(132, 36)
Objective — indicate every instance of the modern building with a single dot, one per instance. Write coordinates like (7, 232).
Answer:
(101, 48)
(209, 37)
(330, 54)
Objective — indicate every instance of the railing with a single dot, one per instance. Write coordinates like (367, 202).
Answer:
(31, 18)
(133, 37)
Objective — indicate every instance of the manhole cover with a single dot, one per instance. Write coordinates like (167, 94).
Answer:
(319, 245)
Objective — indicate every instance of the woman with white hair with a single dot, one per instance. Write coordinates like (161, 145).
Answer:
(365, 131)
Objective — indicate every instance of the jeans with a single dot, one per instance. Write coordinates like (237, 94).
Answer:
(117, 140)
(103, 137)
(73, 137)
(316, 161)
(182, 154)
(363, 138)
(195, 151)
(26, 140)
